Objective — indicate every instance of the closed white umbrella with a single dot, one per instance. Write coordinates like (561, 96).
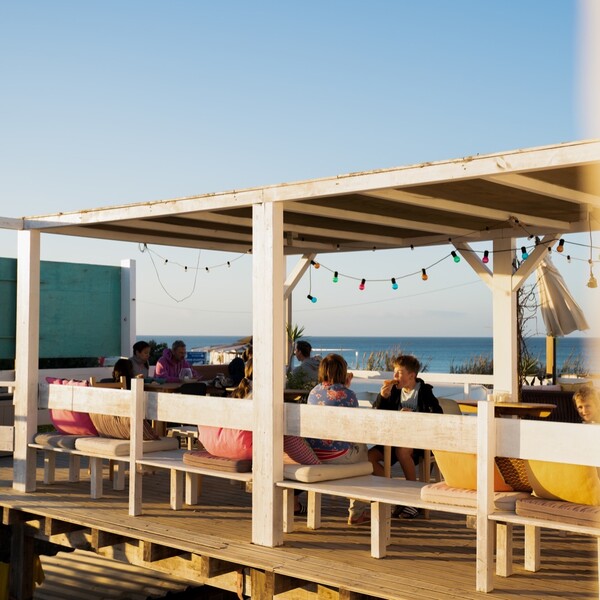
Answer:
(561, 314)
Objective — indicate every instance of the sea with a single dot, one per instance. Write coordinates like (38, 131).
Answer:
(436, 354)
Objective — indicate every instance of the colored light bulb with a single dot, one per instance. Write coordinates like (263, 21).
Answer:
(561, 245)
(335, 277)
(455, 257)
(424, 275)
(313, 299)
(486, 257)
(524, 254)
(362, 284)
(316, 265)
(394, 284)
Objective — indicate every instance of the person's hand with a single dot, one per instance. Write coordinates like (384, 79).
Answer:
(386, 387)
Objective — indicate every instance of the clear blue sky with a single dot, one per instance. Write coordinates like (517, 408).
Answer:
(115, 102)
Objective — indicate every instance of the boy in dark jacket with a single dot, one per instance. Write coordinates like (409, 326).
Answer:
(406, 392)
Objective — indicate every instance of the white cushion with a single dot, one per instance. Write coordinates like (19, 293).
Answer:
(325, 472)
(444, 494)
(114, 447)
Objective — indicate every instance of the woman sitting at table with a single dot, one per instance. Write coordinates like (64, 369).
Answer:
(139, 359)
(236, 444)
(333, 390)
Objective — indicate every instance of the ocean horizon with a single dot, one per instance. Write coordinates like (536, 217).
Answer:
(436, 354)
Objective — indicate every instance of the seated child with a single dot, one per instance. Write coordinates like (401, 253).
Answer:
(587, 402)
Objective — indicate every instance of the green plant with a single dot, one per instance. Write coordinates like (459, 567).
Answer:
(156, 351)
(294, 333)
(299, 380)
(575, 364)
(477, 365)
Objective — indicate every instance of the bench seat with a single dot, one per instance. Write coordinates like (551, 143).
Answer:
(189, 492)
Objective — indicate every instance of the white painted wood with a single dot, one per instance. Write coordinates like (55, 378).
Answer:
(136, 399)
(193, 484)
(74, 468)
(7, 438)
(268, 269)
(414, 430)
(527, 267)
(176, 495)
(504, 318)
(504, 549)
(379, 530)
(571, 443)
(49, 467)
(118, 467)
(296, 274)
(9, 223)
(532, 548)
(288, 511)
(485, 496)
(473, 260)
(537, 186)
(27, 356)
(128, 306)
(313, 517)
(95, 477)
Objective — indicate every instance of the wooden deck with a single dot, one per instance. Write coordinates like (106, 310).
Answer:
(210, 543)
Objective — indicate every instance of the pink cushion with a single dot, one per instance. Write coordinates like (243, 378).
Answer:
(226, 443)
(70, 422)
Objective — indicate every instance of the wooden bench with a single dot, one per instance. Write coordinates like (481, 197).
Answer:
(564, 443)
(95, 449)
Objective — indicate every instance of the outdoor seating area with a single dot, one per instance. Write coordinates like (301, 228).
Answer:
(482, 438)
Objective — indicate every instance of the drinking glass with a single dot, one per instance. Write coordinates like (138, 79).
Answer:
(185, 374)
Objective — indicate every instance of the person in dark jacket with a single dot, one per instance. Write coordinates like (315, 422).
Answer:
(406, 392)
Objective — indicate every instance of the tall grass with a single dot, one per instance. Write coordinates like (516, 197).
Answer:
(481, 364)
(383, 360)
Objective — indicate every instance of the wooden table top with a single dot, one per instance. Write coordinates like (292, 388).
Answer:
(512, 409)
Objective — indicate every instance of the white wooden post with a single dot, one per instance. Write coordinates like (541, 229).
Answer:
(268, 268)
(136, 445)
(26, 358)
(128, 306)
(486, 446)
(504, 319)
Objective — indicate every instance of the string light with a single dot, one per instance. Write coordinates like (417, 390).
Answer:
(486, 257)
(361, 287)
(561, 245)
(394, 284)
(335, 277)
(455, 257)
(524, 254)
(313, 299)
(568, 258)
(424, 275)
(316, 265)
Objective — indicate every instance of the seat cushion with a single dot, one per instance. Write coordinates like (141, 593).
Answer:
(460, 471)
(202, 458)
(555, 510)
(442, 493)
(514, 473)
(228, 443)
(112, 426)
(571, 483)
(326, 472)
(71, 422)
(54, 439)
(118, 447)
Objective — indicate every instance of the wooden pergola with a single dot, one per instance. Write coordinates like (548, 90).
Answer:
(546, 192)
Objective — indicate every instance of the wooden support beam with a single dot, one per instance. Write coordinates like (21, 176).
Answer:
(102, 539)
(152, 552)
(56, 526)
(262, 584)
(20, 578)
(325, 592)
(11, 516)
(284, 583)
(212, 567)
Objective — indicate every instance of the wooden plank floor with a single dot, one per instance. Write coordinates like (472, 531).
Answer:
(427, 559)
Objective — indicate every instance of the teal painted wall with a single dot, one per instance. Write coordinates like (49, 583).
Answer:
(80, 309)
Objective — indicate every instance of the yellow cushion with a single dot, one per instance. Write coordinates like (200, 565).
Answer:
(460, 471)
(557, 481)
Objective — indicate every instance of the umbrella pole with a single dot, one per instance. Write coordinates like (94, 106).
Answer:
(551, 358)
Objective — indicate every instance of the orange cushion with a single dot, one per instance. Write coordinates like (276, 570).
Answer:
(460, 471)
